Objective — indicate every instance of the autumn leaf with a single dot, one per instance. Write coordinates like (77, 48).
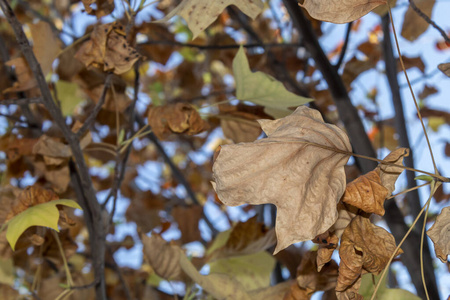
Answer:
(252, 271)
(103, 7)
(45, 214)
(108, 49)
(364, 247)
(445, 68)
(311, 279)
(199, 14)
(440, 234)
(336, 11)
(162, 256)
(244, 238)
(45, 45)
(262, 89)
(177, 118)
(304, 181)
(414, 24)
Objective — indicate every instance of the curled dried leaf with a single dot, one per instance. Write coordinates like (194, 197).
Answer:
(178, 118)
(288, 169)
(367, 193)
(30, 196)
(364, 247)
(312, 280)
(108, 49)
(440, 234)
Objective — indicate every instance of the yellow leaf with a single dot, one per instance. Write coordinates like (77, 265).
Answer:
(45, 214)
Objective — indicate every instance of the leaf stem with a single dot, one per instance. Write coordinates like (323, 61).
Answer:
(66, 266)
(408, 190)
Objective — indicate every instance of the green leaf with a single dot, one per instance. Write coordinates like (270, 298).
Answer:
(368, 286)
(251, 271)
(263, 89)
(424, 178)
(69, 95)
(45, 214)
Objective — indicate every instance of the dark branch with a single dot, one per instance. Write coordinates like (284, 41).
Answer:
(22, 101)
(429, 21)
(90, 120)
(221, 47)
(410, 259)
(345, 46)
(96, 230)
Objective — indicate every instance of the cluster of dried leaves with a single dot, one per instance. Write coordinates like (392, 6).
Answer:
(301, 167)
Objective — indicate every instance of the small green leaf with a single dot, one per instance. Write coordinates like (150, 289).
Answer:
(368, 286)
(262, 89)
(45, 214)
(251, 271)
(424, 178)
(69, 95)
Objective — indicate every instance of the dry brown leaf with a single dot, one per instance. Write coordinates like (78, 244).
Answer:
(163, 257)
(367, 193)
(103, 7)
(199, 14)
(178, 118)
(351, 293)
(187, 219)
(440, 234)
(411, 62)
(239, 124)
(311, 280)
(108, 49)
(8, 293)
(326, 249)
(30, 196)
(304, 181)
(48, 146)
(390, 173)
(25, 78)
(45, 45)
(413, 24)
(364, 247)
(246, 238)
(445, 68)
(336, 11)
(296, 293)
(144, 211)
(427, 91)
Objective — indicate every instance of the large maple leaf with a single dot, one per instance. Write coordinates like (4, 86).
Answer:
(291, 170)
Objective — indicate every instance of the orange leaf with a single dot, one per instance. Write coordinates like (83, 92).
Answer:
(178, 118)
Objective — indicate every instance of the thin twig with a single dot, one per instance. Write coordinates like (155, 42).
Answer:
(88, 123)
(22, 101)
(429, 21)
(222, 47)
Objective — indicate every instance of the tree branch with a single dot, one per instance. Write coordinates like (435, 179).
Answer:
(222, 47)
(429, 21)
(93, 115)
(96, 231)
(345, 46)
(410, 261)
